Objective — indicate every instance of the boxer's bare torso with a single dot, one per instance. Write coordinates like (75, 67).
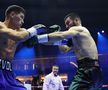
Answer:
(7, 44)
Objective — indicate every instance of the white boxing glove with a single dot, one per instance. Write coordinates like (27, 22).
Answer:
(36, 29)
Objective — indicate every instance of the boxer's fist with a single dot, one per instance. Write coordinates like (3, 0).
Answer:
(37, 29)
(41, 29)
(54, 28)
(38, 26)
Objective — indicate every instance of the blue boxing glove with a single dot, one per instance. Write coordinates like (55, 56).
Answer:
(54, 28)
(37, 29)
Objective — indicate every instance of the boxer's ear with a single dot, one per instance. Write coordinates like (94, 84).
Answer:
(76, 20)
(12, 14)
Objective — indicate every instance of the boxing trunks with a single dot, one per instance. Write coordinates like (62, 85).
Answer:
(88, 76)
(7, 77)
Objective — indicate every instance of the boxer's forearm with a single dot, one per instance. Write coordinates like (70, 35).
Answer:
(56, 36)
(64, 34)
(13, 34)
(21, 35)
(61, 35)
(52, 37)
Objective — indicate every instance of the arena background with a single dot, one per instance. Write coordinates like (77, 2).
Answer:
(37, 60)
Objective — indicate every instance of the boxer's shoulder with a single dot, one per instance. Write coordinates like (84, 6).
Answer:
(79, 29)
(1, 22)
(2, 25)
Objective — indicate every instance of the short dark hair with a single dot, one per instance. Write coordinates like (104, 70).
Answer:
(15, 8)
(72, 16)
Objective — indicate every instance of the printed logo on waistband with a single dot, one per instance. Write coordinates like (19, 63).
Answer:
(5, 65)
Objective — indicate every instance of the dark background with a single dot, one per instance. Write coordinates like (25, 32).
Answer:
(94, 13)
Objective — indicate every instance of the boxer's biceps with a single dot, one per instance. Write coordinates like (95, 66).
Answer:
(14, 35)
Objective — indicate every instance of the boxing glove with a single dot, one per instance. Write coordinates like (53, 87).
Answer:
(36, 29)
(54, 28)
